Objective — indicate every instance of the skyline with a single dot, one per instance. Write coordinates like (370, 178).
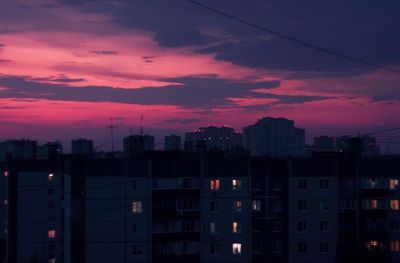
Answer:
(66, 67)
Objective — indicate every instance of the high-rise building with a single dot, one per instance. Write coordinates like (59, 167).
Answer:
(18, 149)
(275, 137)
(82, 146)
(136, 145)
(172, 143)
(323, 144)
(224, 137)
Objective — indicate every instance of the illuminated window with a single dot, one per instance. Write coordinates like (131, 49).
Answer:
(394, 246)
(51, 177)
(302, 247)
(5, 202)
(236, 248)
(237, 206)
(212, 227)
(371, 245)
(52, 260)
(324, 205)
(394, 204)
(5, 173)
(236, 227)
(394, 183)
(214, 185)
(256, 206)
(371, 204)
(302, 184)
(371, 182)
(323, 247)
(51, 234)
(236, 184)
(136, 207)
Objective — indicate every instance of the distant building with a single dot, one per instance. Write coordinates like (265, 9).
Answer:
(18, 149)
(275, 137)
(224, 138)
(82, 146)
(136, 145)
(172, 143)
(50, 150)
(324, 144)
(368, 145)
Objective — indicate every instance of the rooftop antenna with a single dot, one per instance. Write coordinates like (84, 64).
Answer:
(141, 125)
(112, 126)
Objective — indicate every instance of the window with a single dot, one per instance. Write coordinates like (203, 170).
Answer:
(277, 246)
(276, 205)
(214, 249)
(236, 227)
(394, 204)
(256, 227)
(237, 206)
(324, 184)
(5, 174)
(5, 202)
(323, 247)
(371, 204)
(51, 234)
(187, 205)
(51, 260)
(237, 248)
(52, 205)
(51, 247)
(372, 245)
(302, 227)
(371, 182)
(137, 228)
(50, 177)
(302, 205)
(137, 207)
(394, 183)
(214, 185)
(302, 247)
(302, 184)
(323, 226)
(212, 228)
(277, 226)
(134, 185)
(214, 206)
(277, 186)
(51, 191)
(236, 184)
(394, 246)
(137, 250)
(324, 205)
(394, 225)
(256, 245)
(52, 219)
(256, 205)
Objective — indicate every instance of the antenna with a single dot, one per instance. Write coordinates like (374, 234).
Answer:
(112, 126)
(141, 125)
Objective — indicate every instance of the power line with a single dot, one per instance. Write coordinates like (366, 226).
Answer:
(290, 38)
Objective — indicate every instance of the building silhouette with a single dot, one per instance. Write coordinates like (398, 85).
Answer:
(172, 143)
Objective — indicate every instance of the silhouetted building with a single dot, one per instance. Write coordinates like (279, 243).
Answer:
(136, 145)
(18, 149)
(50, 150)
(172, 143)
(324, 144)
(368, 145)
(82, 146)
(275, 137)
(223, 138)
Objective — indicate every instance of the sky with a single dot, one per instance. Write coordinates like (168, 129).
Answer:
(68, 66)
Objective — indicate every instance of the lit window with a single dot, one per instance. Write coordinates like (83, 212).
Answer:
(371, 182)
(214, 184)
(236, 227)
(371, 204)
(5, 173)
(236, 184)
(256, 205)
(237, 206)
(394, 204)
(324, 205)
(302, 184)
(323, 247)
(51, 177)
(302, 247)
(212, 227)
(394, 246)
(136, 207)
(236, 248)
(394, 183)
(5, 202)
(371, 245)
(51, 234)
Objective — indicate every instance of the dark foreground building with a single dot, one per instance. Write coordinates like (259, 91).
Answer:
(205, 207)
